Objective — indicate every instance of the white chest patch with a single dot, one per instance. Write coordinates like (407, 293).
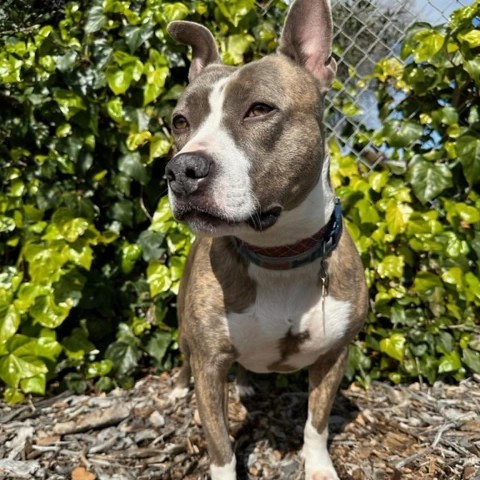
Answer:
(289, 325)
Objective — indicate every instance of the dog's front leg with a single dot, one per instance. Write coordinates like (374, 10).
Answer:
(212, 399)
(324, 377)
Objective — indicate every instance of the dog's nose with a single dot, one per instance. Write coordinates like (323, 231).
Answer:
(187, 172)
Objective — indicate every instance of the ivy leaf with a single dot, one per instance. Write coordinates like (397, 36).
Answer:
(66, 61)
(36, 384)
(44, 347)
(159, 147)
(130, 253)
(124, 355)
(174, 11)
(397, 215)
(13, 395)
(473, 284)
(428, 179)
(472, 38)
(9, 323)
(119, 80)
(47, 313)
(177, 265)
(99, 369)
(389, 67)
(137, 35)
(377, 180)
(152, 245)
(235, 11)
(446, 116)
(6, 224)
(77, 345)
(96, 19)
(426, 282)
(394, 346)
(69, 102)
(131, 164)
(237, 45)
(73, 229)
(453, 276)
(75, 382)
(450, 362)
(473, 68)
(157, 346)
(357, 361)
(429, 43)
(137, 140)
(468, 148)
(471, 358)
(367, 212)
(155, 83)
(158, 278)
(13, 369)
(456, 246)
(410, 42)
(391, 266)
(122, 211)
(115, 109)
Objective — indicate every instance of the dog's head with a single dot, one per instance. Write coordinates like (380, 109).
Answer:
(250, 139)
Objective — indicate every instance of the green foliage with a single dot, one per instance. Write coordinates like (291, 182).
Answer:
(416, 217)
(90, 257)
(90, 260)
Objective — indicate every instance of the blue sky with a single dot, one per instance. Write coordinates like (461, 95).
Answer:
(435, 11)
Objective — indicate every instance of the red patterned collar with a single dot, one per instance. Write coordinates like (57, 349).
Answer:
(301, 253)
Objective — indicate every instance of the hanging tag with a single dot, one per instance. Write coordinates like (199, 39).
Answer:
(324, 286)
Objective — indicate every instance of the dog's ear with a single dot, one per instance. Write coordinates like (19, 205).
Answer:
(204, 48)
(307, 38)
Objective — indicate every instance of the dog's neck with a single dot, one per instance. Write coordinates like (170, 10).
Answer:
(300, 223)
(301, 253)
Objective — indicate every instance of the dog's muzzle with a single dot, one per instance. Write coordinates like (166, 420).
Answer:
(191, 179)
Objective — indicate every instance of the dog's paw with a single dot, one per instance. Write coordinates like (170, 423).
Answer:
(321, 471)
(323, 474)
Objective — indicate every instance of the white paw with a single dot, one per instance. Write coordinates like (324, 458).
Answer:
(322, 474)
(225, 472)
(318, 464)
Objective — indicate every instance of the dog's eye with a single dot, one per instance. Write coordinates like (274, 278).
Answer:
(180, 122)
(259, 110)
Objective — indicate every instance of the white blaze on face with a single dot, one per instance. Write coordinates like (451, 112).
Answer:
(231, 190)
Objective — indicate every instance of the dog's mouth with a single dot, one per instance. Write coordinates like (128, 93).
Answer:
(206, 221)
(260, 221)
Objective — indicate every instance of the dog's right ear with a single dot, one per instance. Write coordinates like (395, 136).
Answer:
(204, 48)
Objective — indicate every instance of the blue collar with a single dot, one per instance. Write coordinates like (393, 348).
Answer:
(301, 253)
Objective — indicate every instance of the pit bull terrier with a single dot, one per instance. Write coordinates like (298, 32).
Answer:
(273, 281)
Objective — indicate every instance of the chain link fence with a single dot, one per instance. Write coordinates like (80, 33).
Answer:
(366, 31)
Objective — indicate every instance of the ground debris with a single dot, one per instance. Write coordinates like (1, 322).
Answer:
(402, 432)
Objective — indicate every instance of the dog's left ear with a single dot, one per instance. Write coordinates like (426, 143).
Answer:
(204, 48)
(307, 39)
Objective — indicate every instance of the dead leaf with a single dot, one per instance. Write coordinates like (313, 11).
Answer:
(81, 473)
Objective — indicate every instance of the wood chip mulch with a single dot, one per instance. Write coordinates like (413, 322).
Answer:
(401, 432)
